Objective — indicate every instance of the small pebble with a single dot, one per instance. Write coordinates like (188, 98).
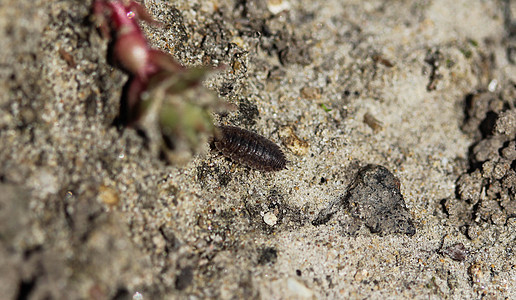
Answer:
(361, 275)
(292, 142)
(270, 219)
(137, 296)
(375, 200)
(44, 182)
(476, 273)
(277, 6)
(310, 93)
(299, 289)
(456, 252)
(108, 196)
(371, 121)
(492, 85)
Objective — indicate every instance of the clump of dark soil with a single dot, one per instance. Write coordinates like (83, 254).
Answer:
(487, 191)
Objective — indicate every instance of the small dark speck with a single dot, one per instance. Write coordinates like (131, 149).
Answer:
(224, 179)
(268, 255)
(184, 279)
(298, 272)
(248, 112)
(122, 293)
(226, 88)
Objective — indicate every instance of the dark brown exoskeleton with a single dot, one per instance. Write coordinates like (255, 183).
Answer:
(249, 148)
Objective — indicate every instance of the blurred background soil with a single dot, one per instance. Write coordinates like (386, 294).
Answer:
(426, 89)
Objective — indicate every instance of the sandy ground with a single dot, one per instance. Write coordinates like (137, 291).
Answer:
(425, 89)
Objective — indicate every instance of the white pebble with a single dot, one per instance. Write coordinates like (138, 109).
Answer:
(492, 85)
(270, 219)
(299, 289)
(277, 6)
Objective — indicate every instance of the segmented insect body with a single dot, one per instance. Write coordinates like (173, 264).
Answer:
(250, 149)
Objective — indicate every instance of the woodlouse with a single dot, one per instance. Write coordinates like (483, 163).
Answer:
(250, 149)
